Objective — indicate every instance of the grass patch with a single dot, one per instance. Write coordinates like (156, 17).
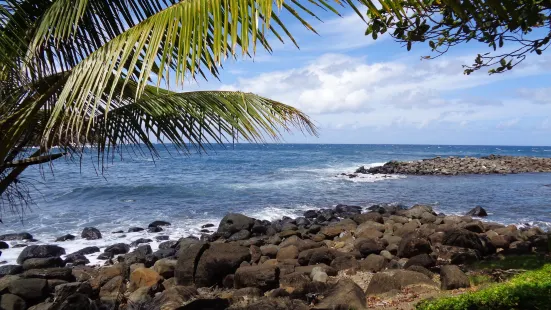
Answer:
(529, 290)
(527, 262)
(479, 279)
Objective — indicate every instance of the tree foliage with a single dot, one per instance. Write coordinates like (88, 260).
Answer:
(512, 29)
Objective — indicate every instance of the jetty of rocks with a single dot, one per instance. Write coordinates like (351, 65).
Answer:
(493, 164)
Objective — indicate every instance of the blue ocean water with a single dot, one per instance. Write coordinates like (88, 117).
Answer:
(263, 181)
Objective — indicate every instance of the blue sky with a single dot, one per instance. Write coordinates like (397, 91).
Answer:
(358, 90)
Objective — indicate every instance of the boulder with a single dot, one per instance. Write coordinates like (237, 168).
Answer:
(275, 303)
(29, 289)
(90, 233)
(318, 275)
(6, 270)
(344, 262)
(75, 302)
(295, 283)
(383, 282)
(140, 296)
(12, 302)
(4, 245)
(111, 290)
(519, 248)
(154, 229)
(219, 260)
(367, 246)
(373, 263)
(412, 245)
(105, 274)
(500, 241)
(369, 216)
(165, 267)
(17, 236)
(135, 229)
(289, 252)
(143, 277)
(140, 256)
(40, 251)
(173, 298)
(477, 211)
(317, 256)
(76, 259)
(158, 224)
(118, 248)
(423, 260)
(335, 229)
(465, 239)
(474, 226)
(63, 291)
(50, 273)
(48, 262)
(234, 222)
(457, 255)
(140, 241)
(263, 277)
(422, 270)
(65, 238)
(344, 295)
(416, 212)
(187, 262)
(87, 250)
(451, 278)
(240, 235)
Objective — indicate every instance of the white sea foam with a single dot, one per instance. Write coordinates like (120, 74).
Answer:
(370, 178)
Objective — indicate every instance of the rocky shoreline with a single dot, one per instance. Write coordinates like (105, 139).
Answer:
(338, 258)
(493, 164)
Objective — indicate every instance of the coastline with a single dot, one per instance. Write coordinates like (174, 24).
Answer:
(350, 244)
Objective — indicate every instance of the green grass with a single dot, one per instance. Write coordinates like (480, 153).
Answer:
(479, 279)
(529, 290)
(527, 262)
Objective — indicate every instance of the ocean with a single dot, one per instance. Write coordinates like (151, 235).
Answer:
(262, 181)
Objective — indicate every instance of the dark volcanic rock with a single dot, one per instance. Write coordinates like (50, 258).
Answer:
(87, 250)
(30, 289)
(423, 260)
(18, 236)
(219, 260)
(50, 273)
(345, 295)
(493, 164)
(118, 248)
(65, 238)
(453, 278)
(140, 241)
(90, 233)
(135, 229)
(12, 302)
(263, 277)
(477, 211)
(234, 222)
(37, 263)
(4, 245)
(413, 245)
(6, 270)
(76, 259)
(465, 239)
(158, 223)
(40, 251)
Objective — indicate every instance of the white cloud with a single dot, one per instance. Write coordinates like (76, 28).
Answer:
(508, 123)
(536, 95)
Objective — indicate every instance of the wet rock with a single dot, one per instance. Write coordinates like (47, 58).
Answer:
(262, 277)
(29, 289)
(452, 278)
(412, 245)
(40, 251)
(63, 291)
(140, 241)
(345, 295)
(65, 238)
(90, 233)
(87, 250)
(105, 256)
(37, 263)
(310, 214)
(143, 277)
(158, 224)
(234, 222)
(6, 270)
(135, 229)
(118, 248)
(162, 238)
(12, 302)
(423, 260)
(477, 211)
(4, 245)
(219, 260)
(139, 255)
(154, 229)
(17, 236)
